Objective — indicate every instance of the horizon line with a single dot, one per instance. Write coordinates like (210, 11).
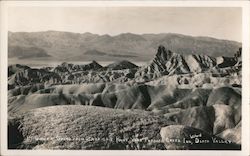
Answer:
(114, 35)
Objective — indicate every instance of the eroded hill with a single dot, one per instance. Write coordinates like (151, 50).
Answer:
(172, 92)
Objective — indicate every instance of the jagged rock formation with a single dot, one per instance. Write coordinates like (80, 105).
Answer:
(68, 67)
(29, 76)
(167, 62)
(197, 93)
(185, 69)
(223, 62)
(15, 68)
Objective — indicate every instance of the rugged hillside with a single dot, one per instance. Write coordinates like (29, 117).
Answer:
(167, 62)
(66, 68)
(78, 47)
(68, 73)
(29, 76)
(166, 67)
(123, 106)
(160, 99)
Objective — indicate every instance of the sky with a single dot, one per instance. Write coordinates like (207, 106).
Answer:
(222, 23)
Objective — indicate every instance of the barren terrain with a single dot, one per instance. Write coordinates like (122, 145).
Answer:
(124, 106)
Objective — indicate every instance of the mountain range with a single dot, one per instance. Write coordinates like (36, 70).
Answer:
(67, 46)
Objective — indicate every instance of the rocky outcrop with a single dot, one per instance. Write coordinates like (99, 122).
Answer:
(211, 119)
(200, 117)
(31, 76)
(12, 69)
(167, 62)
(233, 134)
(223, 62)
(227, 96)
(179, 137)
(68, 67)
(122, 71)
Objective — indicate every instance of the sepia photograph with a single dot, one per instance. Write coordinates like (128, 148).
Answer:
(124, 77)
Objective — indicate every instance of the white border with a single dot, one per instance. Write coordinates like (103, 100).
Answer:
(245, 79)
